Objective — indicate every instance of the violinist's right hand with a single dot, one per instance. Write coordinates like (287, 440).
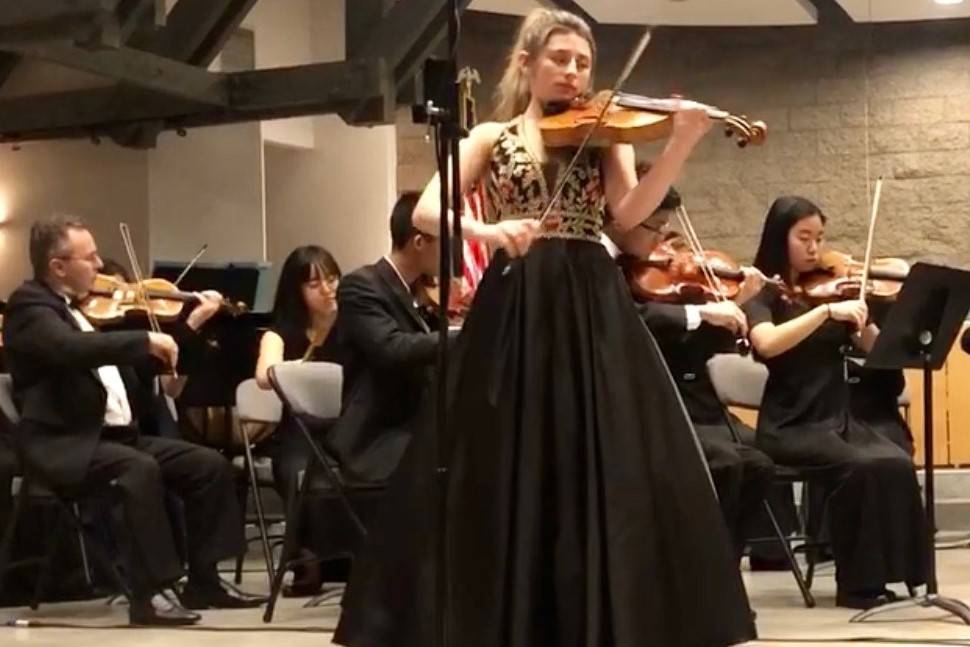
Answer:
(514, 236)
(163, 347)
(854, 312)
(725, 314)
(754, 282)
(691, 125)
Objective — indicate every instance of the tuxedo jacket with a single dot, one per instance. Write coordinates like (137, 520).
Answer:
(56, 386)
(388, 350)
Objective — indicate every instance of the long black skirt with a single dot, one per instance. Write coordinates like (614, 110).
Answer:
(580, 512)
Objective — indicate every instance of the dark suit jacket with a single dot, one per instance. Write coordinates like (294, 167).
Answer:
(687, 352)
(388, 353)
(56, 385)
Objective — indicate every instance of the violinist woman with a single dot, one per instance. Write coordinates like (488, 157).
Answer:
(304, 316)
(878, 529)
(580, 511)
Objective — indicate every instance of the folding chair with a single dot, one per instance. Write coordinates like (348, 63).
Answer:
(256, 406)
(740, 382)
(311, 395)
(28, 487)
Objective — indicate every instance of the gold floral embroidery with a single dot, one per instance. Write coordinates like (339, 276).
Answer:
(517, 189)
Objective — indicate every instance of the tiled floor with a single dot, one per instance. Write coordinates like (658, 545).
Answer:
(782, 619)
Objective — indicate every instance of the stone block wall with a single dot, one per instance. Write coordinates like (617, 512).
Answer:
(844, 103)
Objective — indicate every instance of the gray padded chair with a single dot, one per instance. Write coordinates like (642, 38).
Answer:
(256, 406)
(739, 381)
(28, 487)
(311, 394)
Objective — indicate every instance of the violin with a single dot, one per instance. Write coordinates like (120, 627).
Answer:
(673, 273)
(428, 298)
(631, 118)
(111, 300)
(839, 278)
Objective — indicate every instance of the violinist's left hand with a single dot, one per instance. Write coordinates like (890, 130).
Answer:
(209, 303)
(691, 125)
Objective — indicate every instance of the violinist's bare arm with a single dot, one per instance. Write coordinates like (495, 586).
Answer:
(270, 354)
(628, 199)
(771, 340)
(474, 155)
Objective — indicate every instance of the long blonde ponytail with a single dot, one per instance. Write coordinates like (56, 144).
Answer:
(512, 95)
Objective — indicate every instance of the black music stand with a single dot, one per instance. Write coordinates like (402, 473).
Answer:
(918, 333)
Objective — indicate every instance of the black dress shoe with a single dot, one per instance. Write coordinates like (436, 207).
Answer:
(160, 611)
(768, 564)
(864, 599)
(302, 589)
(217, 596)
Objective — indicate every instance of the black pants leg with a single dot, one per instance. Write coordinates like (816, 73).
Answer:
(152, 558)
(878, 528)
(742, 476)
(205, 482)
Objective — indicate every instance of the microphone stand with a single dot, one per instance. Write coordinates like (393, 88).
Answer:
(441, 112)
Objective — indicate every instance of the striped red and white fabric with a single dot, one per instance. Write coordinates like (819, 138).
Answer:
(475, 252)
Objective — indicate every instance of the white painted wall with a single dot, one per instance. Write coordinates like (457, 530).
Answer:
(282, 38)
(207, 188)
(102, 184)
(338, 195)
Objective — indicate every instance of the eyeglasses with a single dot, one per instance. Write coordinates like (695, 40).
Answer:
(92, 258)
(658, 231)
(329, 281)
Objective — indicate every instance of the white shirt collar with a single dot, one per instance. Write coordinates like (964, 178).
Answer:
(398, 272)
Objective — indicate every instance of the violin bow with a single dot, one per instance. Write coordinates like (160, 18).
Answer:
(139, 280)
(872, 231)
(620, 82)
(694, 241)
(191, 264)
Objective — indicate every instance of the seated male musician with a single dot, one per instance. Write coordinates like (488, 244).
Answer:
(79, 392)
(389, 348)
(688, 336)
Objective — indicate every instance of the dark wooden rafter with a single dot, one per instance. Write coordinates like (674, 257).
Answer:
(829, 12)
(163, 82)
(572, 7)
(8, 61)
(254, 95)
(195, 30)
(144, 16)
(140, 69)
(406, 35)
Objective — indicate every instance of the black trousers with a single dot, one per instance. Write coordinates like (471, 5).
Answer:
(742, 476)
(144, 468)
(877, 524)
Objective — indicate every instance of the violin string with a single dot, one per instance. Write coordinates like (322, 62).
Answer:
(620, 81)
(140, 290)
(137, 275)
(695, 244)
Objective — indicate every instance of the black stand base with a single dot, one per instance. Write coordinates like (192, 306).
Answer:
(950, 605)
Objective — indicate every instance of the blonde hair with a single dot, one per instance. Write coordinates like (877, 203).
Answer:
(512, 95)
